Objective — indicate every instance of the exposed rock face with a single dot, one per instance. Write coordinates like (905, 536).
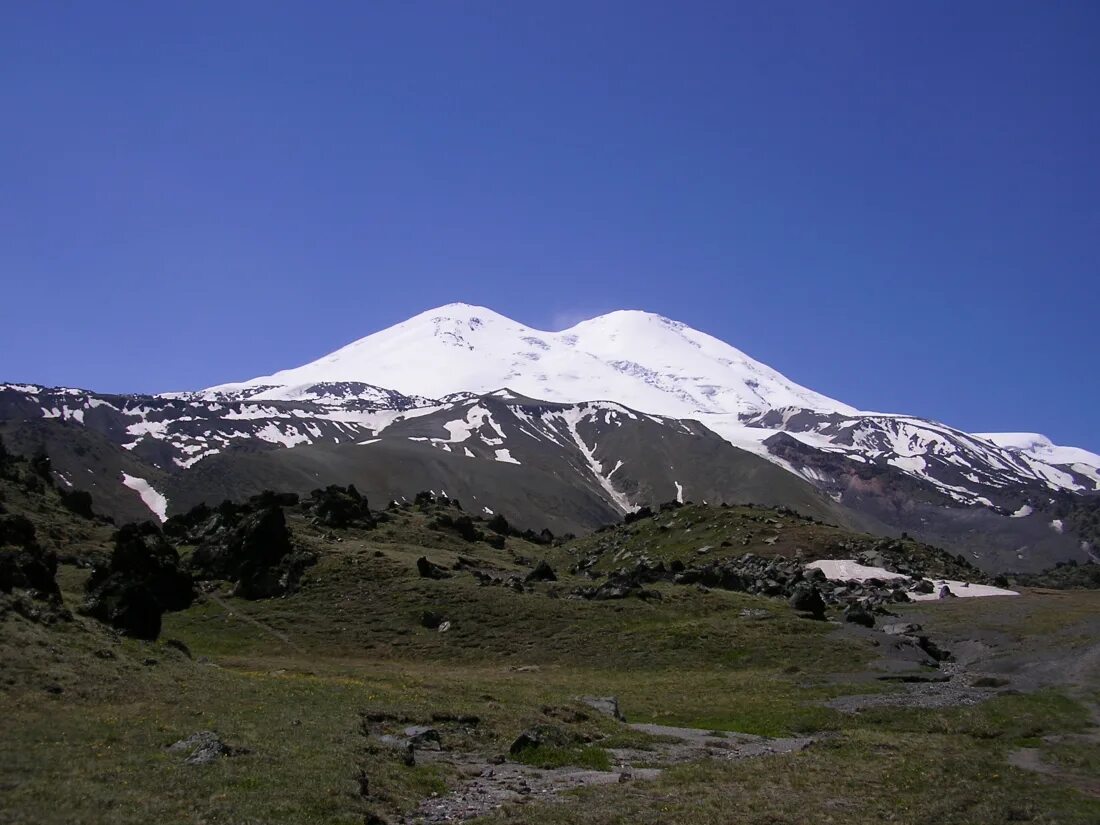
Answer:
(430, 570)
(252, 549)
(23, 563)
(858, 614)
(142, 581)
(806, 598)
(543, 572)
(340, 507)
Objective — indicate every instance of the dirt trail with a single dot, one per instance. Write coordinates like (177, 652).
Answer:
(235, 611)
(491, 786)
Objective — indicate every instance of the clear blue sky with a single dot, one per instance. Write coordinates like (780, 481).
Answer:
(896, 204)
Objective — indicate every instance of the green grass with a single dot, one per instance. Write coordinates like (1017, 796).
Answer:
(292, 681)
(548, 756)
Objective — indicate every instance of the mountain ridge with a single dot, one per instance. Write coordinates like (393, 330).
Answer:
(1010, 500)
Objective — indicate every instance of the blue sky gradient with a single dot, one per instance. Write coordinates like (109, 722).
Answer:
(897, 205)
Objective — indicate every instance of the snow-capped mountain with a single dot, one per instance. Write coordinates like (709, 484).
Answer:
(648, 362)
(570, 427)
(638, 359)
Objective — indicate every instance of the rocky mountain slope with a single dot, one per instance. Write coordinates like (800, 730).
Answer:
(550, 426)
(568, 467)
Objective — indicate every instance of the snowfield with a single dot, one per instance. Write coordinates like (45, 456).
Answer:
(639, 359)
(656, 365)
(157, 504)
(845, 570)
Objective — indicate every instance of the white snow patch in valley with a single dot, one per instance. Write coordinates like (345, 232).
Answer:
(679, 492)
(1024, 511)
(850, 570)
(505, 456)
(962, 590)
(156, 502)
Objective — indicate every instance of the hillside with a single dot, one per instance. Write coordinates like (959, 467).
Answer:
(421, 668)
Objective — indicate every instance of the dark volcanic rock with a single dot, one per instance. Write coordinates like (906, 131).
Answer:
(340, 507)
(462, 525)
(431, 620)
(431, 570)
(254, 551)
(141, 582)
(528, 740)
(543, 572)
(806, 598)
(858, 614)
(23, 563)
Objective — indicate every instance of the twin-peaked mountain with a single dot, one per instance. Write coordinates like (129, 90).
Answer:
(566, 430)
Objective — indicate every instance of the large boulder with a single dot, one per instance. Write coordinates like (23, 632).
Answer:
(543, 572)
(430, 570)
(23, 563)
(141, 582)
(340, 507)
(255, 552)
(858, 614)
(806, 598)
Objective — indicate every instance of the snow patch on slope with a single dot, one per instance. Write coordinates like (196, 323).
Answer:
(850, 570)
(157, 503)
(573, 416)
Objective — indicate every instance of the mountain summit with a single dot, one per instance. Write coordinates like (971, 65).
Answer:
(569, 430)
(636, 358)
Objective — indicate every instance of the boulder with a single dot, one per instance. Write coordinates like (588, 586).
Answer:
(607, 705)
(806, 598)
(253, 550)
(340, 507)
(528, 740)
(901, 629)
(543, 572)
(23, 563)
(858, 614)
(423, 737)
(142, 581)
(430, 619)
(202, 748)
(430, 570)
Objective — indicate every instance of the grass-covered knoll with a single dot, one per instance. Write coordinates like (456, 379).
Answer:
(697, 533)
(307, 686)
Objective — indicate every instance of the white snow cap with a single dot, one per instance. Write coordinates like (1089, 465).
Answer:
(639, 359)
(1042, 448)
